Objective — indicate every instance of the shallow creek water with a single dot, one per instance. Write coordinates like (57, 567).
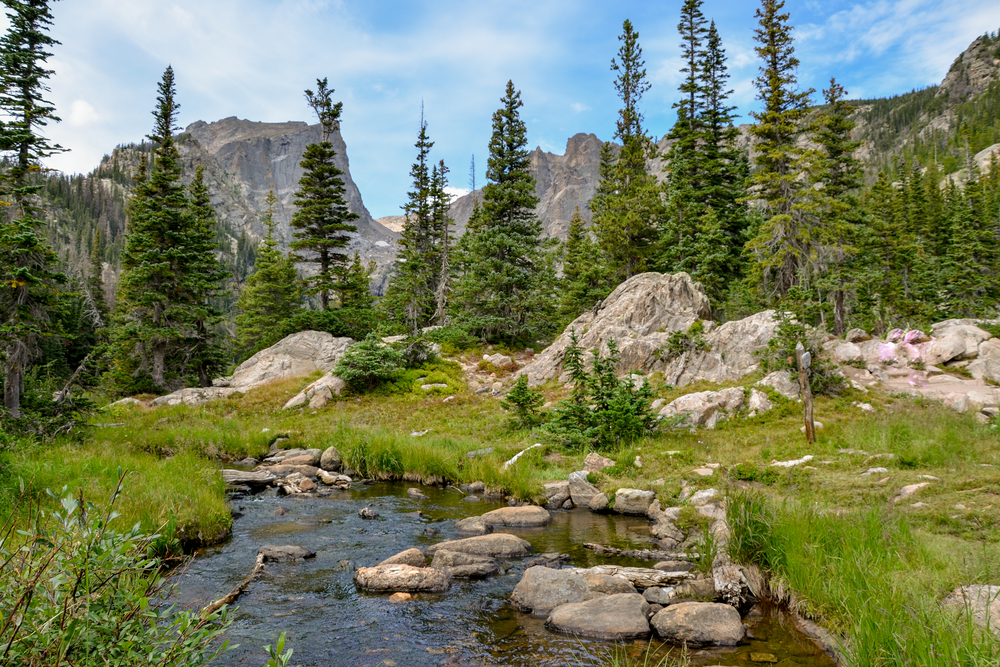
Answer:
(329, 622)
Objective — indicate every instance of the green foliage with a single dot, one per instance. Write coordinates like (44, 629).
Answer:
(322, 220)
(75, 590)
(277, 657)
(603, 411)
(523, 403)
(368, 363)
(748, 472)
(585, 280)
(452, 339)
(779, 355)
(685, 342)
(506, 283)
(271, 295)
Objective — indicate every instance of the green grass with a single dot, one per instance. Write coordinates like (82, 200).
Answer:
(867, 575)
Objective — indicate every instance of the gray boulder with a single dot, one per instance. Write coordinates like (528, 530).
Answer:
(465, 566)
(297, 355)
(987, 366)
(499, 545)
(255, 478)
(542, 589)
(581, 491)
(474, 525)
(633, 501)
(697, 624)
(318, 394)
(982, 601)
(518, 517)
(759, 403)
(402, 578)
(598, 503)
(285, 553)
(330, 460)
(658, 595)
(556, 494)
(612, 617)
(781, 382)
(705, 408)
(411, 557)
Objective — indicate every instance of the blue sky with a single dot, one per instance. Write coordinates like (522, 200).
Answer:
(253, 59)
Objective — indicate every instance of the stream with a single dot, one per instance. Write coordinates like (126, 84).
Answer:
(329, 622)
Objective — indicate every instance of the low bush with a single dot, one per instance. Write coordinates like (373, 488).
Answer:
(523, 403)
(369, 363)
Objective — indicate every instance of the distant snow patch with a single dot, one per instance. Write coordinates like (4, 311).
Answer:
(382, 244)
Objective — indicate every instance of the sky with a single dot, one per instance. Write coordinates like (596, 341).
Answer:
(254, 58)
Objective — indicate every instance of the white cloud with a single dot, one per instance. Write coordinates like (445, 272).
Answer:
(579, 107)
(82, 114)
(455, 193)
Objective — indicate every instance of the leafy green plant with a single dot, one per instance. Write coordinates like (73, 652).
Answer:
(749, 472)
(277, 658)
(523, 403)
(779, 355)
(452, 339)
(683, 342)
(369, 363)
(76, 591)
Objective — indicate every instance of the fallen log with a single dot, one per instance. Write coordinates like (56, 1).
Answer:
(640, 554)
(231, 596)
(641, 577)
(262, 478)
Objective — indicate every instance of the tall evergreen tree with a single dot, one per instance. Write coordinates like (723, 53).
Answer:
(271, 295)
(323, 220)
(584, 279)
(440, 207)
(506, 283)
(150, 330)
(201, 281)
(782, 245)
(28, 276)
(627, 203)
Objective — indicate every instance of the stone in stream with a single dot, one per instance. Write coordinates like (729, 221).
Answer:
(399, 577)
(282, 470)
(474, 525)
(412, 557)
(674, 566)
(611, 617)
(500, 545)
(542, 589)
(252, 479)
(473, 487)
(658, 595)
(330, 460)
(519, 517)
(556, 493)
(465, 566)
(368, 513)
(552, 560)
(416, 494)
(697, 624)
(400, 597)
(633, 501)
(598, 503)
(285, 553)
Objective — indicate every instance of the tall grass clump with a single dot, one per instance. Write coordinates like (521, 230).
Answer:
(859, 573)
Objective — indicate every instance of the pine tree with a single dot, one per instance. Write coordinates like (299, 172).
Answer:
(200, 282)
(159, 217)
(355, 291)
(271, 295)
(712, 256)
(781, 247)
(27, 264)
(504, 291)
(583, 273)
(440, 207)
(323, 220)
(627, 203)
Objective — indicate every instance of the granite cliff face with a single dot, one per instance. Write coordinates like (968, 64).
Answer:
(250, 159)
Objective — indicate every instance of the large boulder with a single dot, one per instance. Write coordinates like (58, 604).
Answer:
(402, 578)
(705, 408)
(519, 517)
(330, 460)
(556, 494)
(987, 366)
(497, 545)
(697, 624)
(581, 491)
(954, 339)
(639, 315)
(300, 354)
(542, 589)
(195, 396)
(255, 478)
(781, 382)
(633, 501)
(612, 617)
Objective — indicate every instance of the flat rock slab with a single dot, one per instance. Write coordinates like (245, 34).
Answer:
(465, 566)
(285, 553)
(402, 578)
(542, 589)
(519, 517)
(412, 557)
(256, 478)
(982, 601)
(612, 617)
(499, 545)
(698, 624)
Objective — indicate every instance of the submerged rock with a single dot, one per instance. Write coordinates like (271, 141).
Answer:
(612, 617)
(474, 525)
(465, 566)
(285, 553)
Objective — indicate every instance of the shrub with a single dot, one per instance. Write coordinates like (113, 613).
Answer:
(603, 411)
(779, 355)
(78, 592)
(452, 339)
(682, 342)
(369, 363)
(523, 402)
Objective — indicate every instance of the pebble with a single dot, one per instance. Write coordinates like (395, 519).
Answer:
(471, 499)
(872, 471)
(960, 506)
(281, 511)
(400, 597)
(704, 472)
(919, 505)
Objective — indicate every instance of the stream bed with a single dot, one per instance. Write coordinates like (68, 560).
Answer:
(330, 623)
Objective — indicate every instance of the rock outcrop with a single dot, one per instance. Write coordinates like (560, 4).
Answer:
(318, 394)
(641, 314)
(705, 408)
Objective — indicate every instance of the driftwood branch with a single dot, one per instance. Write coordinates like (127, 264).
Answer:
(641, 554)
(642, 577)
(64, 394)
(231, 596)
